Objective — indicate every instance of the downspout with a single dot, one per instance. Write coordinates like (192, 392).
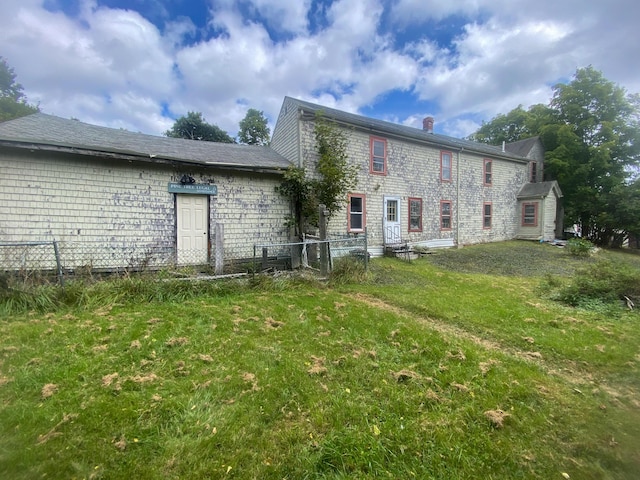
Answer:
(458, 198)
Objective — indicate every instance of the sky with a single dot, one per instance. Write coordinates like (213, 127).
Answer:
(140, 64)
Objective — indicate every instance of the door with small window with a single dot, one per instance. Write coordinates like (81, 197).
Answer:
(391, 224)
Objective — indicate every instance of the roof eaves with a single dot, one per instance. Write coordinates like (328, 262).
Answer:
(136, 156)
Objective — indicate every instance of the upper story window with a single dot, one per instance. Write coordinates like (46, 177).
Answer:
(533, 172)
(487, 172)
(378, 160)
(486, 215)
(415, 214)
(356, 215)
(445, 166)
(530, 214)
(445, 215)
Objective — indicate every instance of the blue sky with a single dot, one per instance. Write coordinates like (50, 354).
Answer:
(139, 64)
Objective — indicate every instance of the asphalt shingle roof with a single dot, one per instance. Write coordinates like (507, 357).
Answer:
(540, 189)
(390, 128)
(49, 130)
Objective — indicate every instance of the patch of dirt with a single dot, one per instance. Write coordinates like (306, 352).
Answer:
(49, 390)
(177, 341)
(317, 366)
(272, 324)
(496, 417)
(404, 376)
(460, 387)
(205, 358)
(148, 378)
(488, 365)
(107, 380)
(120, 444)
(459, 355)
(135, 344)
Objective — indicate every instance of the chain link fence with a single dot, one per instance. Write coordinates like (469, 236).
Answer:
(54, 261)
(307, 253)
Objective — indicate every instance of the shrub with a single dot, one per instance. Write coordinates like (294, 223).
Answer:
(604, 282)
(579, 247)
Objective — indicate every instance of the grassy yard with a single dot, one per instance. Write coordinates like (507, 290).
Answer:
(459, 365)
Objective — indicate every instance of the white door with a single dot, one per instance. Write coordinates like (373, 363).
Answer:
(391, 220)
(193, 229)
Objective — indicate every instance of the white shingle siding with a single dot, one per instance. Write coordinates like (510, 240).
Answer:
(115, 204)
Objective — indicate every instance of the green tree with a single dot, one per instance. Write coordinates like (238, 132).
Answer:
(194, 127)
(334, 179)
(13, 102)
(254, 129)
(592, 141)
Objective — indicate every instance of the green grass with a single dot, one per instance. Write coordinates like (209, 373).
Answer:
(389, 377)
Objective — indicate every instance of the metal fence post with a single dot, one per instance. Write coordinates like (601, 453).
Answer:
(324, 246)
(56, 251)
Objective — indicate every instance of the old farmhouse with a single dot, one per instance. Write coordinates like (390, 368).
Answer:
(113, 198)
(422, 188)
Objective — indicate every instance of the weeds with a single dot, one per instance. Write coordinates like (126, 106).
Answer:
(579, 247)
(599, 285)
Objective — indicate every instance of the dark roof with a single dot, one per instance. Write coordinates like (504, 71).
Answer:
(52, 131)
(389, 128)
(522, 147)
(538, 190)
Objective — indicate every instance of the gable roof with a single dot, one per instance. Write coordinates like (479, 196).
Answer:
(539, 190)
(383, 128)
(522, 147)
(49, 132)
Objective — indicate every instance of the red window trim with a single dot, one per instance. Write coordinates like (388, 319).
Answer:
(446, 229)
(535, 214)
(373, 139)
(484, 172)
(484, 227)
(415, 199)
(364, 212)
(442, 179)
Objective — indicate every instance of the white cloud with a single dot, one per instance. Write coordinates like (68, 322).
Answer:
(115, 67)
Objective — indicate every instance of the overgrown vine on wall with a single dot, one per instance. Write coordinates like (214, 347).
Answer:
(334, 180)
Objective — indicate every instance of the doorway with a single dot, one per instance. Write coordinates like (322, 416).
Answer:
(192, 229)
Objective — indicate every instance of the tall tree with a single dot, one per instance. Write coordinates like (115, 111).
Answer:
(254, 129)
(591, 134)
(13, 102)
(193, 126)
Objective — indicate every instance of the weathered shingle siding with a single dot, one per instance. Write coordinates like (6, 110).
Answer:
(507, 178)
(126, 206)
(413, 170)
(285, 139)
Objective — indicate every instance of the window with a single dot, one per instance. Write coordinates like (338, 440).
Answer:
(415, 214)
(356, 213)
(487, 172)
(445, 215)
(445, 166)
(533, 172)
(529, 214)
(378, 150)
(486, 215)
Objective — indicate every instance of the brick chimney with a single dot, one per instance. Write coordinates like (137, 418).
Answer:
(427, 124)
